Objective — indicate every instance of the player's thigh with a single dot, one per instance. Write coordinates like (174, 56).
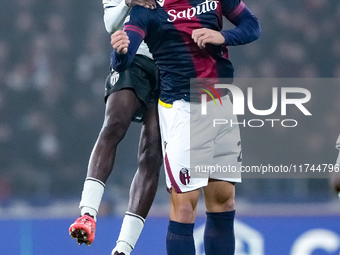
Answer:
(175, 130)
(183, 206)
(150, 132)
(219, 196)
(150, 138)
(120, 107)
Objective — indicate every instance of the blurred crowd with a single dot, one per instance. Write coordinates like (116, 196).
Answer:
(53, 63)
(54, 58)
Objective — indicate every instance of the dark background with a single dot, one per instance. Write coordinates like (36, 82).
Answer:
(54, 58)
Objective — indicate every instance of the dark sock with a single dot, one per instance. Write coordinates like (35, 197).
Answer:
(180, 239)
(219, 238)
(89, 215)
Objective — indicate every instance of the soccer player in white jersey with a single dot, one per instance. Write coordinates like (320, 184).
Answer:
(130, 95)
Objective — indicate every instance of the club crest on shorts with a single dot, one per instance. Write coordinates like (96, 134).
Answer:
(114, 78)
(184, 176)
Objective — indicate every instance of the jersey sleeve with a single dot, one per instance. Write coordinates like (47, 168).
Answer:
(135, 28)
(115, 12)
(247, 25)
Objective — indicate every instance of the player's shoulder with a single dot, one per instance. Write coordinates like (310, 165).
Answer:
(228, 6)
(232, 3)
(140, 10)
(140, 15)
(338, 143)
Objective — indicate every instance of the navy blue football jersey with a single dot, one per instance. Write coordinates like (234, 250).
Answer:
(167, 31)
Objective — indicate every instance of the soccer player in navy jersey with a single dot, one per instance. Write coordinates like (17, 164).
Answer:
(129, 95)
(187, 41)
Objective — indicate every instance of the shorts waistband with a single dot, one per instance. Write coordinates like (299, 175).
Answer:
(166, 105)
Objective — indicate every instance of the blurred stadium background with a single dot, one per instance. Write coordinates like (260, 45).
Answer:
(54, 58)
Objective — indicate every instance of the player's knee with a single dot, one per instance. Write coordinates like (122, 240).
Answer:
(221, 205)
(114, 129)
(184, 214)
(229, 204)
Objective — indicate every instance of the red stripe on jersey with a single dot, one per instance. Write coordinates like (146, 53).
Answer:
(237, 11)
(205, 65)
(135, 29)
(171, 177)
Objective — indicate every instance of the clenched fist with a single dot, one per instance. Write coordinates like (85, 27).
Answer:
(120, 41)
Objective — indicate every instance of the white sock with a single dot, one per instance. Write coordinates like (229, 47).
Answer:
(91, 196)
(129, 233)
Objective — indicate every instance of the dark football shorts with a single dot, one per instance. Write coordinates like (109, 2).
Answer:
(142, 78)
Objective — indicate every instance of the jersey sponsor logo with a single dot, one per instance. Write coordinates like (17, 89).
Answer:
(184, 176)
(161, 2)
(206, 6)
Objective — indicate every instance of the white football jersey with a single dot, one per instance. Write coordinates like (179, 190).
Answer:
(143, 48)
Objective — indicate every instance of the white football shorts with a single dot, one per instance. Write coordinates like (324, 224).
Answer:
(197, 147)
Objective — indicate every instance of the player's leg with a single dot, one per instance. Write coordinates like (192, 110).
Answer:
(220, 192)
(144, 185)
(145, 182)
(175, 130)
(219, 230)
(120, 107)
(180, 239)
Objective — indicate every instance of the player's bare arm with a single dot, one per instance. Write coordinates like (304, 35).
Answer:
(145, 3)
(120, 41)
(202, 36)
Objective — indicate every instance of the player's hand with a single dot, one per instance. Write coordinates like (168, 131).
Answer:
(202, 36)
(145, 3)
(120, 41)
